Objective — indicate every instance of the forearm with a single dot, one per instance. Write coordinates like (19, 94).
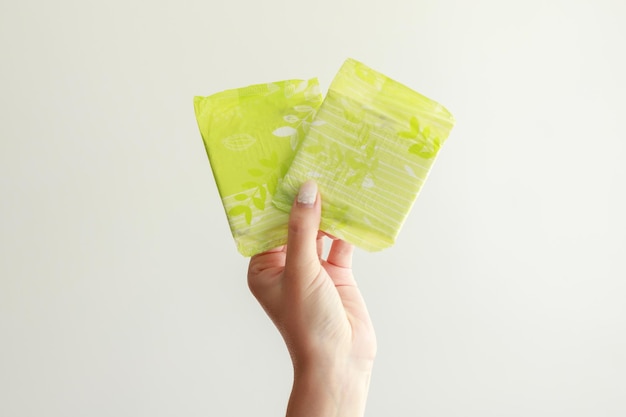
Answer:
(341, 392)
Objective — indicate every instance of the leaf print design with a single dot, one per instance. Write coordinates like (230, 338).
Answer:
(272, 88)
(239, 210)
(415, 129)
(284, 131)
(255, 172)
(238, 142)
(353, 166)
(424, 144)
(410, 171)
(268, 163)
(271, 186)
(312, 93)
(367, 183)
(250, 184)
(351, 116)
(290, 90)
(256, 196)
(301, 124)
(294, 142)
(258, 203)
(428, 149)
(366, 74)
(302, 86)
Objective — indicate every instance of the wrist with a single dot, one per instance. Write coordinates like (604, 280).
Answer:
(338, 390)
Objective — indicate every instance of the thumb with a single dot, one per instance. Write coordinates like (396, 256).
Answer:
(304, 222)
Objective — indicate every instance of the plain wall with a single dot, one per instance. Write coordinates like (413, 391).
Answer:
(122, 293)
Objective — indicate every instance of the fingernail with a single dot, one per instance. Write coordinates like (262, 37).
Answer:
(307, 194)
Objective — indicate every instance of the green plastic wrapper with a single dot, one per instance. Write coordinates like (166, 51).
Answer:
(250, 135)
(370, 149)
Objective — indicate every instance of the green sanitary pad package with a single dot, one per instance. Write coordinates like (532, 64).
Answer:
(250, 135)
(370, 149)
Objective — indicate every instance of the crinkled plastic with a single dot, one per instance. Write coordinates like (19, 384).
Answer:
(250, 135)
(370, 149)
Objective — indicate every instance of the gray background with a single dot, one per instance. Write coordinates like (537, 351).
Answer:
(121, 292)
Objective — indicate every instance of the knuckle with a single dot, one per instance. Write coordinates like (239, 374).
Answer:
(297, 226)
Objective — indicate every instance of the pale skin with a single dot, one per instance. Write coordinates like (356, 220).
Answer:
(320, 313)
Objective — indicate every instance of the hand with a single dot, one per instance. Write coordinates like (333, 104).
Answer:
(319, 311)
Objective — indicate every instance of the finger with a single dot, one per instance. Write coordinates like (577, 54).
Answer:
(304, 221)
(320, 244)
(276, 249)
(340, 254)
(328, 235)
(263, 261)
(264, 273)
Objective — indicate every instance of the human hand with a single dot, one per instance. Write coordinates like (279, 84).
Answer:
(318, 309)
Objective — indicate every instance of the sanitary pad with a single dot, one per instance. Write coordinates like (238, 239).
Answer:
(250, 135)
(370, 149)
